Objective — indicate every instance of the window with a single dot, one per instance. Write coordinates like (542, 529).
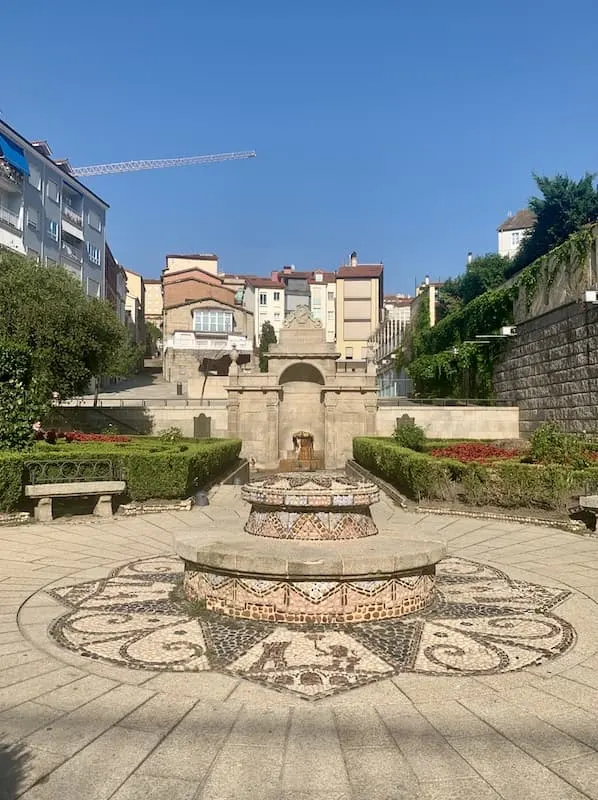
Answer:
(52, 190)
(331, 315)
(53, 229)
(34, 254)
(276, 316)
(212, 321)
(94, 221)
(93, 253)
(32, 219)
(515, 237)
(93, 288)
(348, 352)
(263, 298)
(276, 297)
(35, 177)
(50, 262)
(330, 296)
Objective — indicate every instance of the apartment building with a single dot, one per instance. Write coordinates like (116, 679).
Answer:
(387, 339)
(322, 301)
(202, 321)
(359, 307)
(154, 305)
(46, 213)
(265, 299)
(115, 285)
(513, 230)
(135, 305)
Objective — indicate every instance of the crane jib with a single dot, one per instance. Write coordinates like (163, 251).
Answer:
(159, 163)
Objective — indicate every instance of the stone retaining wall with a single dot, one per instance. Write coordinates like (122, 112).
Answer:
(551, 369)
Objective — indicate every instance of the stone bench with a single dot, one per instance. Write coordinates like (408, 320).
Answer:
(45, 493)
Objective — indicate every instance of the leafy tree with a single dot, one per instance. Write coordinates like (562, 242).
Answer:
(267, 338)
(153, 335)
(68, 337)
(565, 206)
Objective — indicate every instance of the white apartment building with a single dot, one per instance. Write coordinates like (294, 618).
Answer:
(322, 297)
(387, 339)
(266, 298)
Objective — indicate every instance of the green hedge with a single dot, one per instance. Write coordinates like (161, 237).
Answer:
(507, 484)
(152, 470)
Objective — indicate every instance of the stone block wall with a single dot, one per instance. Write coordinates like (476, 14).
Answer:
(453, 422)
(551, 369)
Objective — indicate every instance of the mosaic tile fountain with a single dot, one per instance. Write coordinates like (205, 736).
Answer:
(310, 552)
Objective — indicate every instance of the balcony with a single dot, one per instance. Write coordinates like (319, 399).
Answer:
(9, 218)
(72, 253)
(72, 216)
(11, 179)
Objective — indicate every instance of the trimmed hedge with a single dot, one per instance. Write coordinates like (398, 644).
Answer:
(507, 484)
(151, 469)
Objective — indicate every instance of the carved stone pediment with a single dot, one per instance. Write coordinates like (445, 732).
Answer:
(301, 319)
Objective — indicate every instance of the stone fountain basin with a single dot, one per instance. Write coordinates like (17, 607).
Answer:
(371, 558)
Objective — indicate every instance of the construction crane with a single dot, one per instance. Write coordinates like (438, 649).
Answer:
(158, 163)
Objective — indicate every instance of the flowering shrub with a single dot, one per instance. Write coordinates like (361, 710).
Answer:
(472, 451)
(77, 436)
(51, 436)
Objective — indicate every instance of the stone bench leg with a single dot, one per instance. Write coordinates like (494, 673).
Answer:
(103, 506)
(43, 510)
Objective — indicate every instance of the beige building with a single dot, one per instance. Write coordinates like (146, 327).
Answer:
(208, 262)
(135, 304)
(154, 305)
(359, 303)
(513, 230)
(322, 289)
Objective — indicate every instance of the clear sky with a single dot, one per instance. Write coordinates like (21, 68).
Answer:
(403, 130)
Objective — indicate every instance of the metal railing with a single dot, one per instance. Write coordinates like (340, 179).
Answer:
(444, 401)
(73, 253)
(10, 174)
(10, 218)
(68, 471)
(72, 216)
(134, 402)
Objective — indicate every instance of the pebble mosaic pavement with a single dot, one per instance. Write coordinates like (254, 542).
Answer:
(481, 623)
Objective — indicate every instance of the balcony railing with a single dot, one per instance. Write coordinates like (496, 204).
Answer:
(10, 177)
(9, 218)
(72, 253)
(72, 216)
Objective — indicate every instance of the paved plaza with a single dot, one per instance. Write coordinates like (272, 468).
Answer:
(112, 687)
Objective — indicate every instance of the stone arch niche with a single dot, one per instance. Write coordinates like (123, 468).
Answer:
(301, 410)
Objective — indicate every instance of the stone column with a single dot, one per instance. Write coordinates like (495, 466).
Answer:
(271, 454)
(232, 406)
(330, 438)
(370, 401)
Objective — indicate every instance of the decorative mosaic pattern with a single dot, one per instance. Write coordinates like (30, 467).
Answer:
(305, 602)
(308, 489)
(482, 623)
(310, 524)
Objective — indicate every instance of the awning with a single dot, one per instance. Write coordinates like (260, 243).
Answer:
(68, 227)
(14, 154)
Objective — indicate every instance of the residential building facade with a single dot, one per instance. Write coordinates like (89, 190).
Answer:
(135, 305)
(387, 339)
(154, 305)
(513, 230)
(115, 285)
(202, 323)
(48, 214)
(265, 297)
(322, 301)
(359, 307)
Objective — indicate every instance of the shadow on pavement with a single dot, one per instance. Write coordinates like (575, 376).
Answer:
(13, 758)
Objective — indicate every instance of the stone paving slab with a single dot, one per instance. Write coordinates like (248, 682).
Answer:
(90, 731)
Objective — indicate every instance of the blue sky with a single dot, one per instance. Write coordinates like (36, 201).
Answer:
(403, 130)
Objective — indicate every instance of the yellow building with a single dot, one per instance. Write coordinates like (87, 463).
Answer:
(359, 307)
(154, 304)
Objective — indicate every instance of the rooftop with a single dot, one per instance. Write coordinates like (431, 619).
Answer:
(360, 271)
(522, 220)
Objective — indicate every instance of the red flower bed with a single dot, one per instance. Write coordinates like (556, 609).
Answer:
(474, 451)
(77, 436)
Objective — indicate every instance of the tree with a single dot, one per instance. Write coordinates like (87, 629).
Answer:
(153, 335)
(267, 338)
(565, 206)
(70, 338)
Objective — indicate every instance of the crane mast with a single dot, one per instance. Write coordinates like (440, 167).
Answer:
(159, 163)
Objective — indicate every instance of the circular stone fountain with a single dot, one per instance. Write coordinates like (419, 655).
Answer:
(310, 553)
